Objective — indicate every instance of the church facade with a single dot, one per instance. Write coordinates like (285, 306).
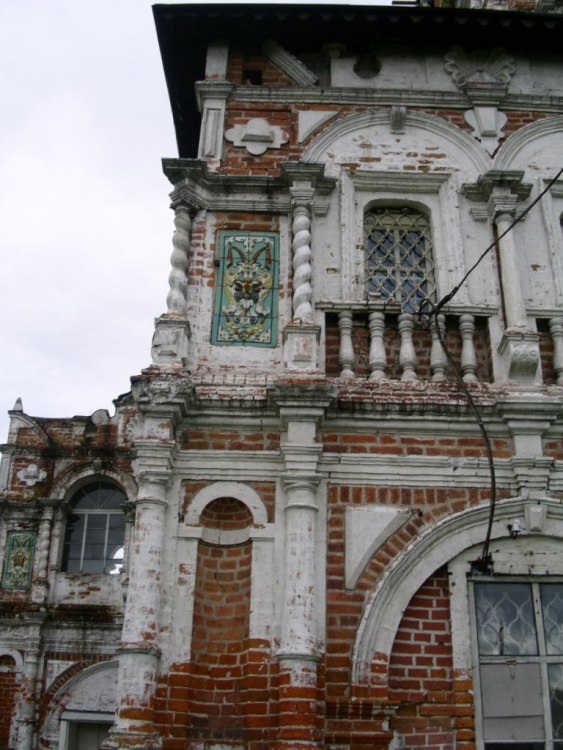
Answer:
(329, 513)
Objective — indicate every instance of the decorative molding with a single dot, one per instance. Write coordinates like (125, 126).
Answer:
(170, 342)
(365, 531)
(257, 136)
(237, 490)
(508, 181)
(31, 475)
(18, 560)
(460, 140)
(289, 64)
(398, 118)
(196, 186)
(480, 70)
(434, 548)
(245, 311)
(524, 136)
(311, 119)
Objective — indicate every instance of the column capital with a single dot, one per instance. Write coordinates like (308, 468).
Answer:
(497, 181)
(300, 482)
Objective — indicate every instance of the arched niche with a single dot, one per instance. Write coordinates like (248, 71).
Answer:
(88, 695)
(437, 547)
(427, 143)
(532, 148)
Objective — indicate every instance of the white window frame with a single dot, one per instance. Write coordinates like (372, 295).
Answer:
(541, 658)
(434, 194)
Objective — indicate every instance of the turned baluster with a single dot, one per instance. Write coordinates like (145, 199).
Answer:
(556, 328)
(407, 354)
(346, 353)
(438, 359)
(468, 357)
(377, 354)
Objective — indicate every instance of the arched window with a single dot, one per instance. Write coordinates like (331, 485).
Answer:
(95, 530)
(398, 256)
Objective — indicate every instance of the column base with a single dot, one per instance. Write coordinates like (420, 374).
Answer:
(301, 346)
(170, 343)
(520, 352)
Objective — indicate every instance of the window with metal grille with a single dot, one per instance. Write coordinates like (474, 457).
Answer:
(520, 644)
(398, 256)
(95, 530)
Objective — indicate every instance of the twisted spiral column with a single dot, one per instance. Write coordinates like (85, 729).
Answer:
(178, 279)
(301, 247)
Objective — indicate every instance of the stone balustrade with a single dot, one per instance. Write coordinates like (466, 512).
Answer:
(381, 345)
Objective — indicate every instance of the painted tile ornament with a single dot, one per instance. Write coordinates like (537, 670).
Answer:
(18, 562)
(247, 290)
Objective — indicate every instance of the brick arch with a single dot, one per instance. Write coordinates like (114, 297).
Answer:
(468, 154)
(236, 490)
(221, 615)
(434, 549)
(543, 137)
(79, 676)
(76, 477)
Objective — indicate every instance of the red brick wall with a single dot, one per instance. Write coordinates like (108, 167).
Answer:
(422, 445)
(421, 677)
(8, 692)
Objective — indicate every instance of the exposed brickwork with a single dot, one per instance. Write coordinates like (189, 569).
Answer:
(266, 490)
(420, 670)
(546, 351)
(233, 440)
(422, 445)
(8, 693)
(248, 67)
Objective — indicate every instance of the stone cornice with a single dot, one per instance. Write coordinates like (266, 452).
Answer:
(550, 103)
(199, 188)
(509, 181)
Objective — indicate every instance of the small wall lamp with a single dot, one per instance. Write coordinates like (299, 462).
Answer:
(515, 528)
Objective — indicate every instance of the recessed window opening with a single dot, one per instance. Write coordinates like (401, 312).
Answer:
(520, 646)
(251, 77)
(95, 530)
(398, 256)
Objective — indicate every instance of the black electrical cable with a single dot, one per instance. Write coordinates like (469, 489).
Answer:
(451, 294)
(431, 310)
(484, 563)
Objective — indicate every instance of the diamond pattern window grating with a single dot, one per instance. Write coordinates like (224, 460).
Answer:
(398, 256)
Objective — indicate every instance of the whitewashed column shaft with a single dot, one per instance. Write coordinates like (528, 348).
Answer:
(299, 632)
(511, 284)
(301, 246)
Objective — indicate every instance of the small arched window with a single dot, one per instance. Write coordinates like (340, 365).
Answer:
(95, 530)
(398, 256)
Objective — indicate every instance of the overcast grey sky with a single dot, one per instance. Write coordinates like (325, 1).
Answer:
(85, 228)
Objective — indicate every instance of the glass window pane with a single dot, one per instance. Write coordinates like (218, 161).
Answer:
(552, 613)
(92, 565)
(555, 675)
(505, 619)
(101, 532)
(514, 746)
(399, 265)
